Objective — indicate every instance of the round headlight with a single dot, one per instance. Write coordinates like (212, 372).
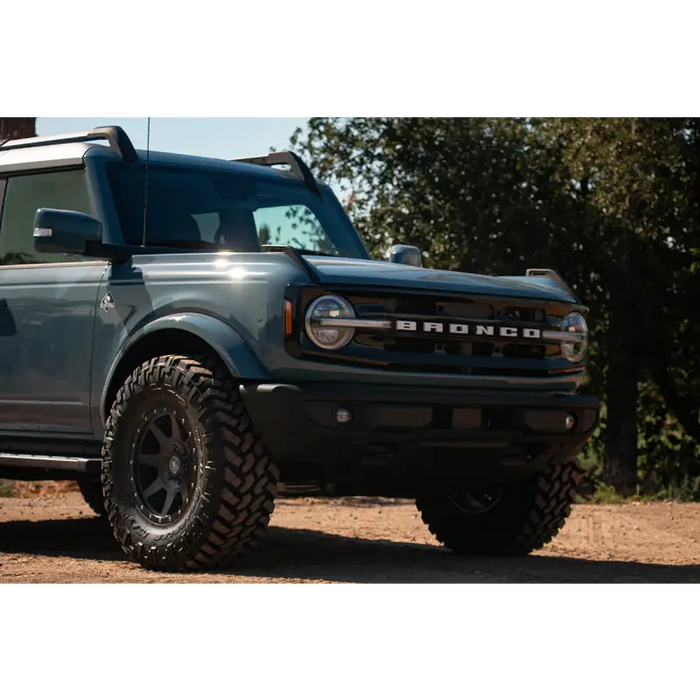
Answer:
(574, 350)
(319, 322)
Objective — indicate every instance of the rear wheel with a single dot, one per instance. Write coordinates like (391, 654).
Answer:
(507, 519)
(188, 483)
(91, 490)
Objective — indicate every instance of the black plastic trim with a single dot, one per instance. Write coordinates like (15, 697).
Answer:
(297, 257)
(298, 422)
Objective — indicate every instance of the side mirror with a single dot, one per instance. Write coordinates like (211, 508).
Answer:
(406, 255)
(58, 231)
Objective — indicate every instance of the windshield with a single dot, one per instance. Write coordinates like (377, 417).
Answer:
(203, 209)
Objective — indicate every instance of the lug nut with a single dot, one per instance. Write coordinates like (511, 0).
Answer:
(343, 416)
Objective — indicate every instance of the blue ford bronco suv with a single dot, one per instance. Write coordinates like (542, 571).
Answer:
(187, 337)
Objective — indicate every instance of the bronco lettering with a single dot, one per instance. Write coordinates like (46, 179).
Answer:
(478, 330)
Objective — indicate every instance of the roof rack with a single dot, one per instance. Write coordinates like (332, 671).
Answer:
(299, 169)
(119, 142)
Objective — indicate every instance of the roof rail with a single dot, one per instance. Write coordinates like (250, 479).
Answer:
(299, 169)
(119, 142)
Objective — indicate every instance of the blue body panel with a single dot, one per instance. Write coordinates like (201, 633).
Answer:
(46, 331)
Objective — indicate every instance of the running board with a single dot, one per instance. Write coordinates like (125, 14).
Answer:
(72, 464)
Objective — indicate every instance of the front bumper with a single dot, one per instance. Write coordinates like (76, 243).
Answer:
(431, 429)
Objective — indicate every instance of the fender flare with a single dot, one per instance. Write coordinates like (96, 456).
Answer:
(226, 342)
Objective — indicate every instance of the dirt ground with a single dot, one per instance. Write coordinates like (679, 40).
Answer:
(47, 540)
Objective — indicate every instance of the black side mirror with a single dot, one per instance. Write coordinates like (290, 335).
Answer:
(406, 255)
(58, 231)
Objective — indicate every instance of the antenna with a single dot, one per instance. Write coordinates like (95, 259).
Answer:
(145, 193)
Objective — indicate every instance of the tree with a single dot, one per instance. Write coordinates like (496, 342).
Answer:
(17, 127)
(639, 178)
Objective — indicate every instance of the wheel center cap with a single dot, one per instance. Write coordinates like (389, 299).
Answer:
(174, 465)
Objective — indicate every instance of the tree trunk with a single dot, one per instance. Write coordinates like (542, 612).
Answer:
(17, 127)
(684, 408)
(622, 394)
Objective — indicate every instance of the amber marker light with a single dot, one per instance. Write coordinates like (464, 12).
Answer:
(287, 318)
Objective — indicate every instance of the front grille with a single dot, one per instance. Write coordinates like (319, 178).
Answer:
(441, 310)
(437, 354)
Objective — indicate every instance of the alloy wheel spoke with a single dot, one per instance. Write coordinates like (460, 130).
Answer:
(170, 497)
(154, 488)
(175, 427)
(163, 440)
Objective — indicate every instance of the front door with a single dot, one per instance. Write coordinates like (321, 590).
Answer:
(47, 311)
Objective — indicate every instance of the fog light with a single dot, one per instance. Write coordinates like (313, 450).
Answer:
(343, 416)
(570, 421)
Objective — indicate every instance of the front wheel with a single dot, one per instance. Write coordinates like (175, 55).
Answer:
(188, 483)
(507, 519)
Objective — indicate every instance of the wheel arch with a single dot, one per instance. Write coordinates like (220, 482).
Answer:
(182, 334)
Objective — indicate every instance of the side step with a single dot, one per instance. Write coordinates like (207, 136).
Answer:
(73, 464)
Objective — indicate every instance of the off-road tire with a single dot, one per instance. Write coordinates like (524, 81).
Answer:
(91, 490)
(528, 515)
(236, 480)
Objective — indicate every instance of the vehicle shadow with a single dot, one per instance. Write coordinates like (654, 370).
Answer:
(311, 555)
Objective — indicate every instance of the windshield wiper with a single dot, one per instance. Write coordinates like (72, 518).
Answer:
(318, 253)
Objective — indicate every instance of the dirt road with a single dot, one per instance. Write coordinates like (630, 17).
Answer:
(57, 540)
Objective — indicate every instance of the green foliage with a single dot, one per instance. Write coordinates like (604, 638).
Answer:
(6, 488)
(606, 494)
(688, 490)
(669, 459)
(612, 204)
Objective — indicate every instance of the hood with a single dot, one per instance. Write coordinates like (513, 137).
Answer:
(374, 273)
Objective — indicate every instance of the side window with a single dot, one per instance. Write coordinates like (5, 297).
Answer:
(24, 194)
(208, 225)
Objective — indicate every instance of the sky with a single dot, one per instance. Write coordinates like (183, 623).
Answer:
(235, 137)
